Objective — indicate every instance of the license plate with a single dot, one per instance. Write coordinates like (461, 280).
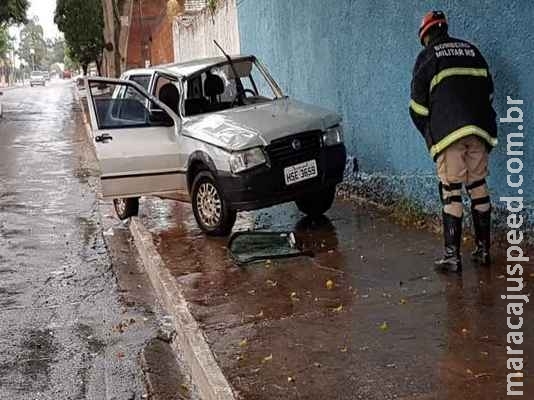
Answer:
(300, 172)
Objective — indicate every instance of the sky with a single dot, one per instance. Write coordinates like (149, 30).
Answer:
(44, 11)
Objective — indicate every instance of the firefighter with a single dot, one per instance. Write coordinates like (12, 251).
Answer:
(451, 105)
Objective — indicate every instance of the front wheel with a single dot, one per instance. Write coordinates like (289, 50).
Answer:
(126, 207)
(318, 203)
(211, 210)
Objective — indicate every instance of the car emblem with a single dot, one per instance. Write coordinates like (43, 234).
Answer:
(296, 144)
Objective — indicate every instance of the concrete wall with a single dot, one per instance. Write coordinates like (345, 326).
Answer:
(193, 36)
(356, 56)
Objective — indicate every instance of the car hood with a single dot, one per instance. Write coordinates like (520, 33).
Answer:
(259, 124)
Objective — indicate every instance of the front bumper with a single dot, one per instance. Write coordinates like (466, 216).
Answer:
(265, 186)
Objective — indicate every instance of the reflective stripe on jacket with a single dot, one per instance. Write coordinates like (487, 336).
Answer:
(451, 94)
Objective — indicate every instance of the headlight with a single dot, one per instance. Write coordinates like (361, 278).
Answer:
(333, 136)
(243, 160)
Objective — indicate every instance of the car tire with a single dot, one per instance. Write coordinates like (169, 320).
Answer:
(316, 204)
(126, 207)
(211, 210)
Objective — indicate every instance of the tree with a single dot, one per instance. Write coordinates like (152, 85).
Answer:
(4, 41)
(32, 44)
(55, 51)
(82, 23)
(13, 11)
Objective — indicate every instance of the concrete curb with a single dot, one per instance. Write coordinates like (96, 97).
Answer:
(190, 341)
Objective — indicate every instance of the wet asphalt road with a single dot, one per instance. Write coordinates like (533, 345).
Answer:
(388, 327)
(59, 301)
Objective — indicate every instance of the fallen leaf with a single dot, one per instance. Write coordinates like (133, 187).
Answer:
(294, 296)
(329, 284)
(272, 283)
(290, 379)
(252, 292)
(338, 309)
(317, 365)
(243, 343)
(403, 301)
(465, 331)
(469, 372)
(501, 277)
(384, 326)
(267, 359)
(484, 353)
(344, 349)
(260, 314)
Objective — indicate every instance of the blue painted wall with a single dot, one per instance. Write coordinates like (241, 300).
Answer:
(356, 56)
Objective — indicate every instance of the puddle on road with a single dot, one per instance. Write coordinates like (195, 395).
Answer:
(367, 305)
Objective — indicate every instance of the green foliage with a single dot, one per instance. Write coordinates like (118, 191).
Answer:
(32, 44)
(82, 24)
(212, 6)
(13, 11)
(4, 42)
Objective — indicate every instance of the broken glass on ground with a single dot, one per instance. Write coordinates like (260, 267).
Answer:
(246, 247)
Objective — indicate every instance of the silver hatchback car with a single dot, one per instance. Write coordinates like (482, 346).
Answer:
(218, 133)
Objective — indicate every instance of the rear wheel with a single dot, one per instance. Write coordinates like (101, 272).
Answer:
(126, 207)
(317, 204)
(211, 210)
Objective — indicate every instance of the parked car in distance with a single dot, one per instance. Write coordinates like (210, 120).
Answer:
(218, 134)
(37, 78)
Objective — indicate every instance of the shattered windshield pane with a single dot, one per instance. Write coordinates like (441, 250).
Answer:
(246, 247)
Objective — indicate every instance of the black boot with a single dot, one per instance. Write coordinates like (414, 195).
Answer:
(482, 225)
(452, 233)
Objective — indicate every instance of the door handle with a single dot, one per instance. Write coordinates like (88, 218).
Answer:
(103, 138)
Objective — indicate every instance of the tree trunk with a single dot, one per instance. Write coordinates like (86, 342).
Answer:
(84, 69)
(98, 67)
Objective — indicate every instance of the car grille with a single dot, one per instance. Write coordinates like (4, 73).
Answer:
(282, 151)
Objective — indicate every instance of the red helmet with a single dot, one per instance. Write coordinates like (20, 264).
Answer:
(430, 19)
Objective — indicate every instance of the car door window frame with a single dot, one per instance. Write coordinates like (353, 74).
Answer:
(177, 122)
(176, 82)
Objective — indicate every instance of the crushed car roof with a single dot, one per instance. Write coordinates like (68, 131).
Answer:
(189, 68)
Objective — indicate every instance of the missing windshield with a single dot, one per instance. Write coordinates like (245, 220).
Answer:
(247, 247)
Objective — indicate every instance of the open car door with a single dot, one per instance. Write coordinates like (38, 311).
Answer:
(136, 139)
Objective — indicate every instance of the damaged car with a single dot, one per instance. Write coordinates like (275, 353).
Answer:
(218, 133)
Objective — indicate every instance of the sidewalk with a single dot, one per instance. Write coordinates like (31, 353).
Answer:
(385, 327)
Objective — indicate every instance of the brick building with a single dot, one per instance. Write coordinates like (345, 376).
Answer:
(150, 38)
(150, 34)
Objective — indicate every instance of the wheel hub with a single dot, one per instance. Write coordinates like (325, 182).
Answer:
(121, 206)
(209, 204)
